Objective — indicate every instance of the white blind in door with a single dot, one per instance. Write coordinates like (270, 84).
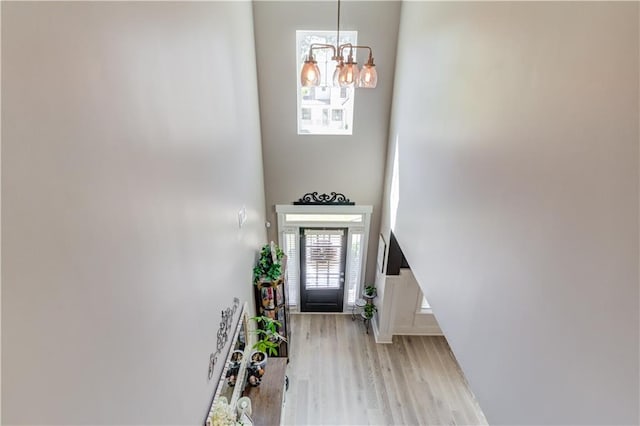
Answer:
(322, 257)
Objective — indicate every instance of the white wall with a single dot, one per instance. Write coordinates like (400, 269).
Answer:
(130, 140)
(406, 318)
(398, 303)
(517, 126)
(295, 165)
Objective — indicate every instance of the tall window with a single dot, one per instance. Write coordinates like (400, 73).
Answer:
(324, 110)
(355, 266)
(290, 248)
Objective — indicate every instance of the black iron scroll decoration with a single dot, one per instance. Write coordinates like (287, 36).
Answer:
(223, 333)
(334, 199)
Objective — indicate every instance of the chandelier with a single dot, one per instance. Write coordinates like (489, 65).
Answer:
(347, 72)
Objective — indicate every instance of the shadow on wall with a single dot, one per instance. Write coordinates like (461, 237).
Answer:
(396, 258)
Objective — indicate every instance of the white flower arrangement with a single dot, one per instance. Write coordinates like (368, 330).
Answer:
(222, 414)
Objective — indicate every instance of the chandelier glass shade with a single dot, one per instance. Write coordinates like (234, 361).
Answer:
(368, 78)
(347, 73)
(310, 75)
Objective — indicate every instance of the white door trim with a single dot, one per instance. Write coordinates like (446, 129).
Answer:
(362, 226)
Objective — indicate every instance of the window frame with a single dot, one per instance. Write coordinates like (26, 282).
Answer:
(420, 309)
(323, 113)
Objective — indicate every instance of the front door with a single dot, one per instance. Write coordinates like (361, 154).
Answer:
(322, 263)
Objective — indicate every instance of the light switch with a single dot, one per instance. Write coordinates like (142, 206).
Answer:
(242, 216)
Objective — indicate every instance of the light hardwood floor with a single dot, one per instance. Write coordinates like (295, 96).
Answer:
(338, 375)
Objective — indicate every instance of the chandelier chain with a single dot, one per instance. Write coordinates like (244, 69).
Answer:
(338, 29)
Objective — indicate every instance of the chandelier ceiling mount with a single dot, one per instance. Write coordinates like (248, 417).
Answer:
(347, 72)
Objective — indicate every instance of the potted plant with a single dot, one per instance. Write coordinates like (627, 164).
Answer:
(368, 311)
(269, 337)
(268, 343)
(370, 291)
(269, 266)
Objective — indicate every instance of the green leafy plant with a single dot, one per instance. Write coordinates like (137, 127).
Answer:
(269, 265)
(369, 309)
(370, 290)
(269, 338)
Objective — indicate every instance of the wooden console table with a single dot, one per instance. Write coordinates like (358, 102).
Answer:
(267, 400)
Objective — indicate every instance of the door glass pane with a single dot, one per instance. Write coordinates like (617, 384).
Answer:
(323, 255)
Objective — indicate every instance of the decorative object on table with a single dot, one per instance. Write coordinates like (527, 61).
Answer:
(237, 355)
(232, 375)
(255, 370)
(234, 367)
(243, 407)
(223, 333)
(222, 414)
(313, 199)
(258, 359)
(269, 266)
(255, 375)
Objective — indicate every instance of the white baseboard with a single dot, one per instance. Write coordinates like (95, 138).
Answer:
(419, 334)
(427, 331)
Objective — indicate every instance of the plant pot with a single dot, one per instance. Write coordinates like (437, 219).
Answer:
(365, 317)
(258, 359)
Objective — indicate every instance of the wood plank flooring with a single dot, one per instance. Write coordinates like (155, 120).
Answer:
(338, 375)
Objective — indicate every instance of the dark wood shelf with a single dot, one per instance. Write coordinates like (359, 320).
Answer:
(276, 293)
(268, 398)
